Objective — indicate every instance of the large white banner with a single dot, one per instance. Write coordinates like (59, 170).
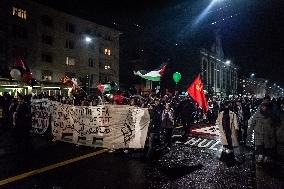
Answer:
(109, 126)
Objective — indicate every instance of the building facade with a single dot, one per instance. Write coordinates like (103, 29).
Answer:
(54, 44)
(220, 76)
(259, 87)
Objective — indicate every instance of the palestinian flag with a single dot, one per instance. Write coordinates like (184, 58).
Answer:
(154, 75)
(104, 88)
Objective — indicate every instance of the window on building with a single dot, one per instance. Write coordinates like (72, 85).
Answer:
(70, 61)
(19, 32)
(218, 76)
(107, 52)
(70, 28)
(107, 67)
(92, 78)
(108, 38)
(91, 62)
(106, 78)
(212, 78)
(47, 39)
(69, 44)
(46, 57)
(19, 13)
(46, 75)
(47, 21)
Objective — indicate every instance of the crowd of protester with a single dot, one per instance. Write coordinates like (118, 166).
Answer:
(264, 117)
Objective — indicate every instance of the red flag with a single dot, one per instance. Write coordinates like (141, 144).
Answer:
(196, 92)
(20, 64)
(162, 70)
(67, 81)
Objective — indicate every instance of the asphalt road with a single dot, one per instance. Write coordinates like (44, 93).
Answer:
(190, 164)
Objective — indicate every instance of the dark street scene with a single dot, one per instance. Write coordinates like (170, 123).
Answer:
(162, 94)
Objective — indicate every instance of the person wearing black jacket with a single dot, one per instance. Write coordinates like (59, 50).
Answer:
(187, 108)
(154, 132)
(246, 117)
(156, 111)
(22, 123)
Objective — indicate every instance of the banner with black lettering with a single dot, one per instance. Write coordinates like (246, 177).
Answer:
(109, 126)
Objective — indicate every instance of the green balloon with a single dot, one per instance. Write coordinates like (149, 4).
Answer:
(176, 77)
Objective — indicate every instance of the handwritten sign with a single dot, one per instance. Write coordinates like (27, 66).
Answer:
(110, 126)
(40, 116)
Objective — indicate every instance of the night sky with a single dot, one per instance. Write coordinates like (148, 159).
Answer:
(172, 31)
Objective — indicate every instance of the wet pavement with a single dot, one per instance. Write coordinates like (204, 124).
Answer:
(190, 164)
(182, 167)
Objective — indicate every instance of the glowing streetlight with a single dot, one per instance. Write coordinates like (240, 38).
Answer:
(228, 62)
(252, 75)
(88, 39)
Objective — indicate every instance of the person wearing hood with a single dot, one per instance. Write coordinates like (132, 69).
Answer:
(264, 133)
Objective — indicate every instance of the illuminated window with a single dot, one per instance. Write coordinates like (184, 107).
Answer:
(70, 61)
(107, 67)
(20, 13)
(107, 52)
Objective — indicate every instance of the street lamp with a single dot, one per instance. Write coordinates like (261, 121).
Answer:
(88, 39)
(228, 62)
(252, 75)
